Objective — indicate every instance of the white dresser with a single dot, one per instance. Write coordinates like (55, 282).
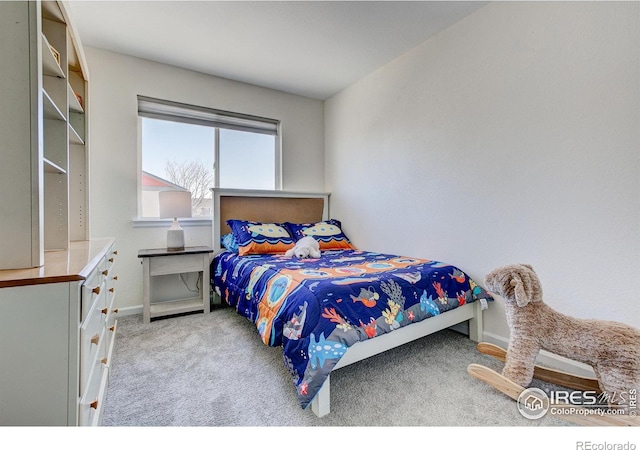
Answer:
(57, 330)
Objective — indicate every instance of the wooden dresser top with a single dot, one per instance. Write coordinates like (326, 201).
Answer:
(60, 266)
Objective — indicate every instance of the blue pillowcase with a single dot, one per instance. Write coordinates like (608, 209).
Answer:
(328, 233)
(260, 238)
(229, 242)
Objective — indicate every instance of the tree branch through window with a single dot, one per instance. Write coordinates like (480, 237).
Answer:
(193, 176)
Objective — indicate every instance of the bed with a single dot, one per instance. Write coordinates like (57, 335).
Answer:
(332, 311)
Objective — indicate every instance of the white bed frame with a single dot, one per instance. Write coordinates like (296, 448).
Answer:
(320, 405)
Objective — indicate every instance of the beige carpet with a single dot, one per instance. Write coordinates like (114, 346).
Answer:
(213, 370)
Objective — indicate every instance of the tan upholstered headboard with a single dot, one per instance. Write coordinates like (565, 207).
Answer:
(265, 206)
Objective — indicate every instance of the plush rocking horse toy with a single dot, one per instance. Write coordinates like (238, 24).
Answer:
(612, 349)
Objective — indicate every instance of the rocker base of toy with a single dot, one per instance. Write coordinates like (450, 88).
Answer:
(578, 415)
(554, 376)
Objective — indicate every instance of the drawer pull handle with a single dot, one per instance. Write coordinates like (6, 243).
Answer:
(105, 272)
(110, 260)
(115, 252)
(96, 290)
(94, 404)
(112, 328)
(95, 339)
(105, 310)
(115, 277)
(111, 290)
(115, 310)
(104, 361)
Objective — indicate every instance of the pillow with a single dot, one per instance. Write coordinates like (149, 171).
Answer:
(229, 242)
(328, 233)
(256, 238)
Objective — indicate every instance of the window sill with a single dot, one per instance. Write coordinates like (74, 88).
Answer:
(165, 223)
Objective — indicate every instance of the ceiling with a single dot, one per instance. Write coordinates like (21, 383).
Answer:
(309, 48)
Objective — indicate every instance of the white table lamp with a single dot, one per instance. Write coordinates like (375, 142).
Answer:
(174, 204)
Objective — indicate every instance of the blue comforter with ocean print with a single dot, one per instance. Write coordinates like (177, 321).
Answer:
(315, 309)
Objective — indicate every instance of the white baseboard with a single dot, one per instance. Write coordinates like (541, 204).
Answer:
(130, 310)
(547, 359)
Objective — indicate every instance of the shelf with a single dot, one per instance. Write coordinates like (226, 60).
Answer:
(74, 137)
(51, 110)
(50, 65)
(74, 103)
(77, 128)
(166, 308)
(51, 11)
(51, 167)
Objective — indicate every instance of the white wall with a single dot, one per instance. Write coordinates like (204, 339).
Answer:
(511, 137)
(115, 81)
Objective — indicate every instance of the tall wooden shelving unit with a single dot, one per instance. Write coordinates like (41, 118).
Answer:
(57, 286)
(43, 133)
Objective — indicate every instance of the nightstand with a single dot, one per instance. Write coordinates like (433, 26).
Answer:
(161, 261)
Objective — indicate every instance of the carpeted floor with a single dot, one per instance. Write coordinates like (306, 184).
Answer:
(213, 370)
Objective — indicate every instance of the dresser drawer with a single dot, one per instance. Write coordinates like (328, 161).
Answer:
(93, 290)
(110, 332)
(108, 269)
(112, 313)
(92, 335)
(110, 293)
(110, 258)
(93, 364)
(110, 342)
(92, 402)
(111, 276)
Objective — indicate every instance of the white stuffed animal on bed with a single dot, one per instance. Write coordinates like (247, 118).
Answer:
(307, 247)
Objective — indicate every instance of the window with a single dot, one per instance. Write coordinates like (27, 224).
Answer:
(194, 148)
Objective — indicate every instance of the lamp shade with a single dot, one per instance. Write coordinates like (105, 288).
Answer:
(175, 204)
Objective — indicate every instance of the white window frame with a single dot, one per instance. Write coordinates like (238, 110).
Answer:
(154, 108)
